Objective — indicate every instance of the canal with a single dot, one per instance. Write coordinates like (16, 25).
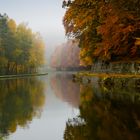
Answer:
(53, 107)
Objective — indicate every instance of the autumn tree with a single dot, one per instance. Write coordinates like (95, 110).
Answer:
(36, 53)
(80, 22)
(21, 50)
(119, 29)
(106, 30)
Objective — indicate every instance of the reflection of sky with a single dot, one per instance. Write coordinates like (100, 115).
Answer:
(52, 123)
(44, 16)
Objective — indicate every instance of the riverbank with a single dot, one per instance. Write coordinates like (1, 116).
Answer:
(92, 74)
(22, 75)
(86, 77)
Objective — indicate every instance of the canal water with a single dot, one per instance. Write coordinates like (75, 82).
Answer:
(54, 107)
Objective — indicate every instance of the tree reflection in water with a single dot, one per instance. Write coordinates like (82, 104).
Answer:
(106, 113)
(20, 101)
(65, 89)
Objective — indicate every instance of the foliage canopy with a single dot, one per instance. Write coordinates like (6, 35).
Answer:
(21, 50)
(106, 29)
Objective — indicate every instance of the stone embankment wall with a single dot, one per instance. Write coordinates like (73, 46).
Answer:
(117, 67)
(114, 88)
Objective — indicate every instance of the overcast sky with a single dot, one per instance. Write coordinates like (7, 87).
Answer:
(44, 16)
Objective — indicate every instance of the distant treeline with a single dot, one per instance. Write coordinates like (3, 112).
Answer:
(21, 50)
(107, 30)
(66, 56)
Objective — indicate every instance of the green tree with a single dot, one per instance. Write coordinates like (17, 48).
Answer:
(3, 43)
(21, 50)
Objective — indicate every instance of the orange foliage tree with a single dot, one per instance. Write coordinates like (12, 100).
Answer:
(107, 29)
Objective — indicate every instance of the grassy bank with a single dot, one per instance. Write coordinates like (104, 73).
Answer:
(22, 75)
(90, 74)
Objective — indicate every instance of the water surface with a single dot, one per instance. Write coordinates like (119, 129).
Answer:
(54, 107)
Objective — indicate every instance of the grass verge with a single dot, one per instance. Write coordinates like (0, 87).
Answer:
(22, 75)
